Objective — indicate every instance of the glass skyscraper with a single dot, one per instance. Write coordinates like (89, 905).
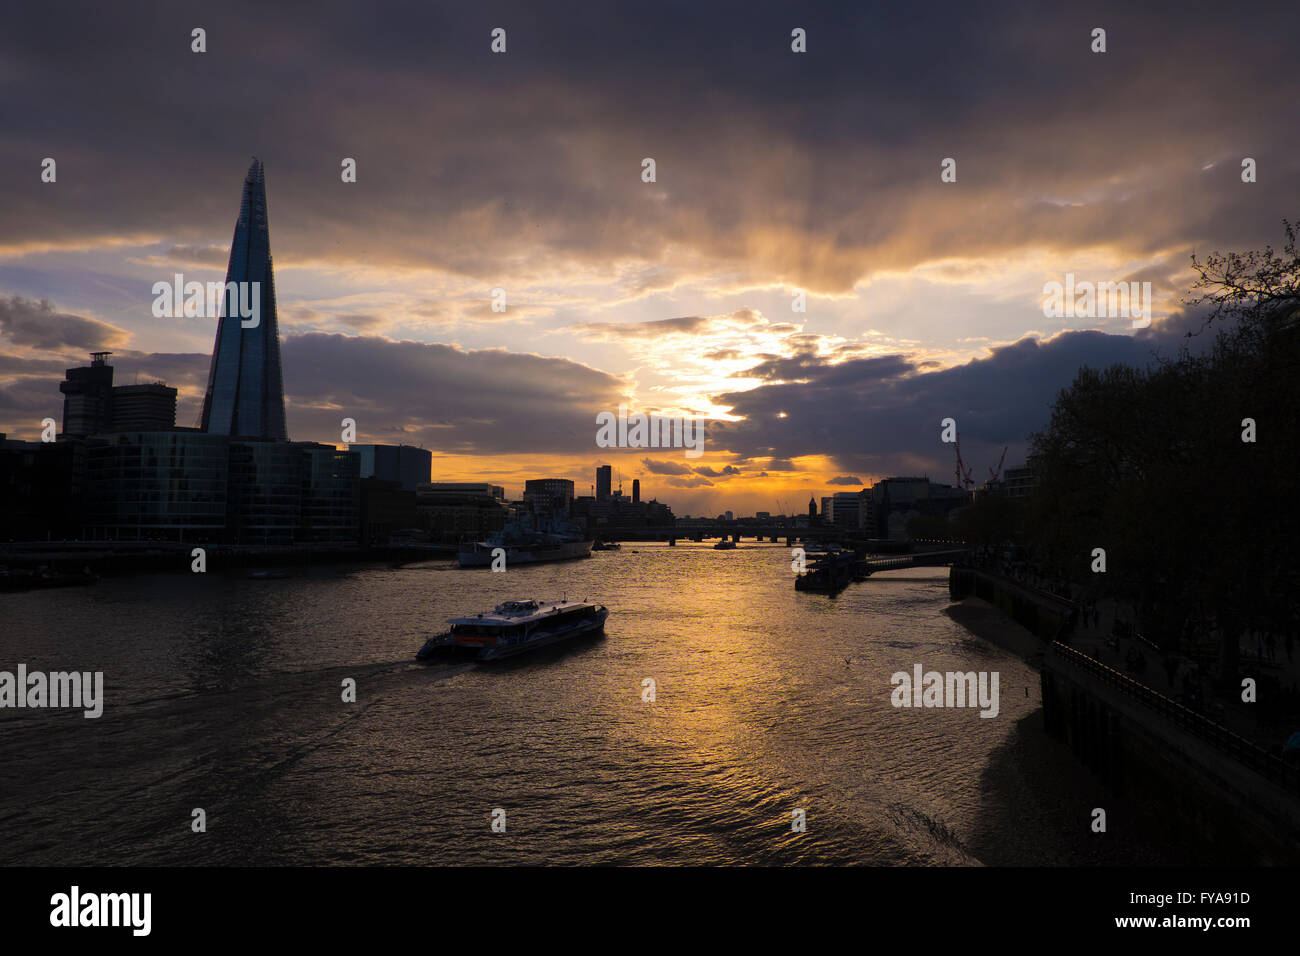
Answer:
(245, 395)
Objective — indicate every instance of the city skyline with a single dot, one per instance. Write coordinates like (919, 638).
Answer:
(524, 174)
(681, 435)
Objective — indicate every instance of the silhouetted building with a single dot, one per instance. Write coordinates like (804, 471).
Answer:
(245, 394)
(92, 405)
(1018, 482)
(405, 464)
(331, 494)
(161, 486)
(617, 516)
(812, 507)
(41, 489)
(546, 495)
(451, 511)
(895, 501)
(387, 509)
(846, 510)
(190, 486)
(144, 408)
(636, 491)
(604, 482)
(88, 398)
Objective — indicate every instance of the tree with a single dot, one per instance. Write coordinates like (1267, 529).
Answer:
(1150, 465)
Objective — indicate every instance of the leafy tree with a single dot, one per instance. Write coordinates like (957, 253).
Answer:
(1149, 464)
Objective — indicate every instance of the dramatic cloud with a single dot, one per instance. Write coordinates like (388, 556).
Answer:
(797, 272)
(466, 402)
(687, 325)
(660, 467)
(36, 324)
(882, 416)
(814, 170)
(724, 472)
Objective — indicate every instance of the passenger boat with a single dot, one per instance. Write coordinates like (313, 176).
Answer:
(438, 644)
(726, 544)
(518, 626)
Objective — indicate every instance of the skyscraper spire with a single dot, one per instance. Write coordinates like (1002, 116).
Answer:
(245, 393)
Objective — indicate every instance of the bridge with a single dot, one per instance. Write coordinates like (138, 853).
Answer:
(851, 539)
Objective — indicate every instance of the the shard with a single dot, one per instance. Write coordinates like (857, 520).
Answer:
(245, 395)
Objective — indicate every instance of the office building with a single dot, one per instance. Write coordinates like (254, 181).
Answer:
(88, 398)
(407, 465)
(144, 408)
(245, 394)
(546, 495)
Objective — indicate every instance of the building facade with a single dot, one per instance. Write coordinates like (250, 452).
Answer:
(549, 494)
(245, 394)
(407, 465)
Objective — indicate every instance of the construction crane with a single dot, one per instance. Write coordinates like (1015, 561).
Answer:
(964, 480)
(995, 475)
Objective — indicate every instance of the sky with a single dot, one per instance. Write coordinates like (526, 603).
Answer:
(776, 174)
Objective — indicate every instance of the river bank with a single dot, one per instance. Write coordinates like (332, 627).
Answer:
(1033, 776)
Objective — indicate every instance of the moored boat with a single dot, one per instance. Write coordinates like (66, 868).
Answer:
(528, 539)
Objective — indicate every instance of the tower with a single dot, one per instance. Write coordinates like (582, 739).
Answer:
(88, 397)
(245, 395)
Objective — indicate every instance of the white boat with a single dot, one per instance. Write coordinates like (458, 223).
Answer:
(518, 626)
(480, 553)
(528, 540)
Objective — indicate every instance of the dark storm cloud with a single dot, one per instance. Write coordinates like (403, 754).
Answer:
(11, 364)
(37, 325)
(883, 415)
(853, 480)
(474, 402)
(26, 400)
(817, 168)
